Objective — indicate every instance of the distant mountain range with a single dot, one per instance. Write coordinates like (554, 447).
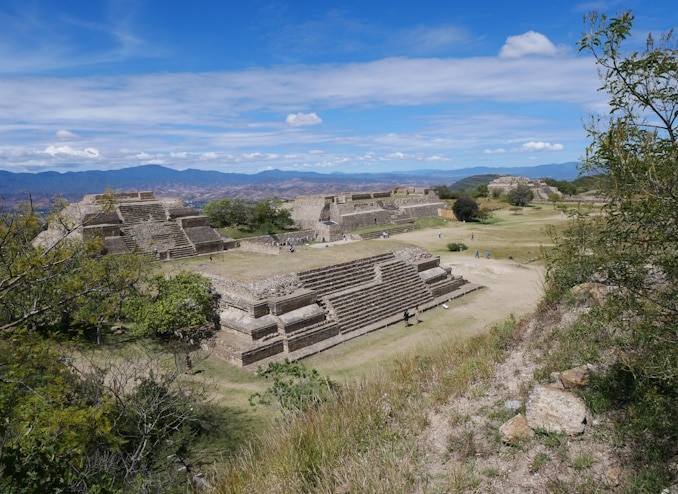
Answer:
(201, 186)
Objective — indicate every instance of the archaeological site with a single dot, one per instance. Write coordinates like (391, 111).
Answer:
(296, 314)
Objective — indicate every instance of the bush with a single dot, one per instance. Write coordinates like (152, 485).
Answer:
(456, 247)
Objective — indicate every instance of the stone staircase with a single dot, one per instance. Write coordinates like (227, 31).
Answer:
(169, 238)
(396, 287)
(341, 276)
(129, 242)
(409, 227)
(139, 213)
(182, 246)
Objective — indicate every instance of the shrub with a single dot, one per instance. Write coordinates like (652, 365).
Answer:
(456, 247)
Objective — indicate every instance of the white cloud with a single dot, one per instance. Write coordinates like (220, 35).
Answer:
(69, 151)
(303, 119)
(66, 135)
(495, 151)
(529, 43)
(533, 146)
(232, 114)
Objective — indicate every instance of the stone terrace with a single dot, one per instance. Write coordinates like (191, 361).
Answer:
(317, 309)
(165, 227)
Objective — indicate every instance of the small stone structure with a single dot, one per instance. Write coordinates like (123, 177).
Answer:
(541, 190)
(330, 216)
(299, 314)
(137, 221)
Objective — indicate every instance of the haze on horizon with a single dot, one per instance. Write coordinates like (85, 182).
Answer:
(251, 86)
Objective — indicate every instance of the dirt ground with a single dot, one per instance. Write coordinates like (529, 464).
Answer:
(510, 287)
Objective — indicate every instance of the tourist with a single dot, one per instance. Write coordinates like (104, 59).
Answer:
(472, 236)
(487, 254)
(477, 254)
(417, 314)
(406, 317)
(440, 234)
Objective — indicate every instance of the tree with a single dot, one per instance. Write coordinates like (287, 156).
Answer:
(555, 199)
(481, 190)
(228, 212)
(465, 208)
(62, 285)
(520, 195)
(180, 306)
(267, 214)
(633, 248)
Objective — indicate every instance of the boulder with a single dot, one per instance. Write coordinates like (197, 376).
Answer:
(577, 377)
(556, 410)
(516, 429)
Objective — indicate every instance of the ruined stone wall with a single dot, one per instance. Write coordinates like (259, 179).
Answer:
(193, 221)
(328, 232)
(307, 210)
(355, 221)
(271, 244)
(415, 200)
(416, 211)
(102, 231)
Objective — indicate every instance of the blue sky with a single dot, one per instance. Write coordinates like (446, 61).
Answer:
(325, 86)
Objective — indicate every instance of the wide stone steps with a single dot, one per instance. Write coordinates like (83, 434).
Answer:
(391, 231)
(444, 287)
(400, 288)
(341, 276)
(184, 251)
(140, 213)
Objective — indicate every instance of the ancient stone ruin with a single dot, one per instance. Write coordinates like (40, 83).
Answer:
(330, 216)
(541, 190)
(295, 315)
(137, 221)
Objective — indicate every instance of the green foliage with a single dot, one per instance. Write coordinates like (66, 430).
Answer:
(175, 306)
(445, 192)
(465, 208)
(480, 191)
(633, 248)
(75, 426)
(267, 215)
(456, 247)
(64, 285)
(520, 195)
(295, 388)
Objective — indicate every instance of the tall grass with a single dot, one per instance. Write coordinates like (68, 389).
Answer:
(364, 439)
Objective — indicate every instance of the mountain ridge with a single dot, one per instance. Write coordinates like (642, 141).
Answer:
(206, 185)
